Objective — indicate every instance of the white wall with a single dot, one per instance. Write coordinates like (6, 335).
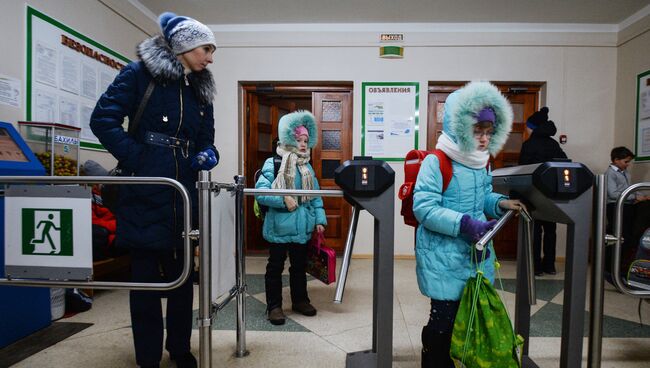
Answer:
(633, 59)
(89, 17)
(580, 79)
(587, 89)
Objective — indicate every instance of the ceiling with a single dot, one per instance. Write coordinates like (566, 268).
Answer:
(218, 12)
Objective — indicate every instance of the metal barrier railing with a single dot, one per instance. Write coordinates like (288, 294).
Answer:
(618, 239)
(160, 286)
(238, 292)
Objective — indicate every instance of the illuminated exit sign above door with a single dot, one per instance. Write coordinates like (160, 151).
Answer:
(391, 37)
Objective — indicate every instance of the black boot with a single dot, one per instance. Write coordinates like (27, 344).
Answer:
(435, 349)
(186, 360)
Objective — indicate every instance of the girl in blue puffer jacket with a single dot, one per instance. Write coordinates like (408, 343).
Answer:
(476, 123)
(290, 220)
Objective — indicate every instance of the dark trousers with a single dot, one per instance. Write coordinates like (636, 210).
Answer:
(436, 335)
(146, 311)
(546, 263)
(297, 277)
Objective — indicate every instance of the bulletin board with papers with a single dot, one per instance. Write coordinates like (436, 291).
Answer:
(390, 119)
(642, 147)
(66, 74)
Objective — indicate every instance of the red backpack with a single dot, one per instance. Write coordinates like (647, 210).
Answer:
(412, 164)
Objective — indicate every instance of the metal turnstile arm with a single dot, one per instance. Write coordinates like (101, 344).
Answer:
(347, 255)
(482, 243)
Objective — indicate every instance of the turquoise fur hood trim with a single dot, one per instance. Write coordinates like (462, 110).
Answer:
(461, 109)
(288, 123)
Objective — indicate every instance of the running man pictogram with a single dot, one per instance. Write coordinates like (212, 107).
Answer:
(48, 225)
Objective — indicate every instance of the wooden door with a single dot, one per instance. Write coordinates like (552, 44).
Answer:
(264, 108)
(523, 98)
(524, 104)
(333, 112)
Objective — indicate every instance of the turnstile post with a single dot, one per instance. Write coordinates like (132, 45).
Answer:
(205, 269)
(597, 295)
(240, 183)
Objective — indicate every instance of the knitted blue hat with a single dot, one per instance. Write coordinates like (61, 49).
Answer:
(183, 33)
(537, 118)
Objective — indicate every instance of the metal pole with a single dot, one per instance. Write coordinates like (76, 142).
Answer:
(528, 247)
(283, 192)
(349, 244)
(522, 303)
(481, 243)
(618, 230)
(240, 182)
(52, 153)
(594, 354)
(205, 268)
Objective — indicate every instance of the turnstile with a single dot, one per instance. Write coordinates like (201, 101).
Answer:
(369, 184)
(558, 192)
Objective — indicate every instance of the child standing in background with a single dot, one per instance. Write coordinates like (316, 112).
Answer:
(290, 220)
(635, 209)
(476, 123)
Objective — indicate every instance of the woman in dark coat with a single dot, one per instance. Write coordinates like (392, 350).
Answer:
(174, 139)
(540, 147)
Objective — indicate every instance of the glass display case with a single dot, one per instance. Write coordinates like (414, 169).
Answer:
(55, 145)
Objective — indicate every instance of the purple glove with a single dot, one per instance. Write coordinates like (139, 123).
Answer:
(205, 160)
(475, 229)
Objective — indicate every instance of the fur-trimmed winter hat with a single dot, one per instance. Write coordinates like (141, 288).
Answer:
(184, 33)
(290, 122)
(464, 108)
(538, 118)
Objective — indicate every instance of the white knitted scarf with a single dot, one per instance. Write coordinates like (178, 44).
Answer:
(292, 158)
(476, 159)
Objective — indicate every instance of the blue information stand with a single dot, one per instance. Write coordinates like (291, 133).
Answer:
(23, 310)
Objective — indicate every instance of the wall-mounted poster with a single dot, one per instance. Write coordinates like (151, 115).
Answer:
(66, 73)
(389, 125)
(643, 117)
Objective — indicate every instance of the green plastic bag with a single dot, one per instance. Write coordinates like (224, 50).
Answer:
(483, 335)
(257, 210)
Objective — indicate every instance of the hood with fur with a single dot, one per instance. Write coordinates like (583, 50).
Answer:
(163, 65)
(462, 107)
(289, 122)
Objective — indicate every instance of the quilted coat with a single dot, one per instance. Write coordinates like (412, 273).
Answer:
(443, 258)
(282, 226)
(151, 216)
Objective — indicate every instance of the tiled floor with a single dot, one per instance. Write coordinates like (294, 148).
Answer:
(324, 340)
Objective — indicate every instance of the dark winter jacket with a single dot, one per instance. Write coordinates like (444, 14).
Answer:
(540, 147)
(151, 216)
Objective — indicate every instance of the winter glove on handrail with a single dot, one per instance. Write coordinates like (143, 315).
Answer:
(205, 160)
(475, 229)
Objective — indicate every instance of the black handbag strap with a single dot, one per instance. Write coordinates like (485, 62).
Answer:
(136, 119)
